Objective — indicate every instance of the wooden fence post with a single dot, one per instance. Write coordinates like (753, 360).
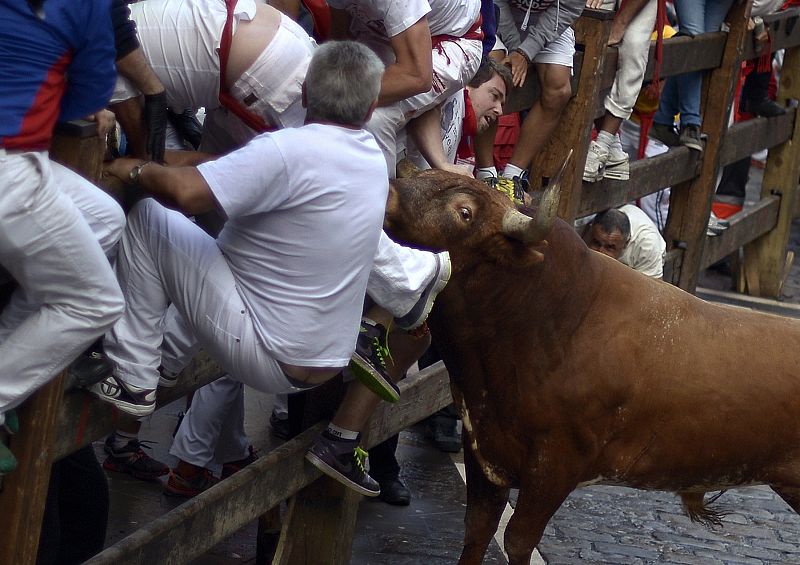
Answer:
(765, 258)
(25, 490)
(690, 202)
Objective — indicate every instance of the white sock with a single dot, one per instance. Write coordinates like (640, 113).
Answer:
(485, 173)
(512, 171)
(605, 139)
(341, 433)
(121, 439)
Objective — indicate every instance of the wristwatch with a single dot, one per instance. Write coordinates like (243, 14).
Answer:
(133, 176)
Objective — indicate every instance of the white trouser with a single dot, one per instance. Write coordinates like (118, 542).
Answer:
(632, 62)
(655, 205)
(454, 65)
(50, 222)
(212, 431)
(399, 275)
(164, 258)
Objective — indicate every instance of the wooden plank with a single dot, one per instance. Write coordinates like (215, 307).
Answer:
(745, 138)
(193, 528)
(690, 202)
(83, 419)
(25, 490)
(765, 258)
(745, 227)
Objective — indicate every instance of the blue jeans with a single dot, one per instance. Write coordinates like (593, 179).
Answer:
(682, 92)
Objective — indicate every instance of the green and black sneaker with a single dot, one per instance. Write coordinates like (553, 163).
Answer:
(368, 363)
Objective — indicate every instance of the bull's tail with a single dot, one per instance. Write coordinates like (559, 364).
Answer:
(696, 507)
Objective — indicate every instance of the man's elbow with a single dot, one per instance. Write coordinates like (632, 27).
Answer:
(424, 82)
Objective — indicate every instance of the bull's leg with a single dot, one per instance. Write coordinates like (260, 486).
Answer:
(790, 495)
(485, 503)
(546, 483)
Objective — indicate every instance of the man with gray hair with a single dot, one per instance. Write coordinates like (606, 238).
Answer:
(276, 298)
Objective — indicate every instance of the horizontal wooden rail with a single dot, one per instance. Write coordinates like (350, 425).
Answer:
(745, 138)
(238, 500)
(745, 226)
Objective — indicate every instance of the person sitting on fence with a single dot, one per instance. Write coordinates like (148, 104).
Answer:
(628, 235)
(631, 29)
(57, 63)
(682, 93)
(276, 298)
(534, 32)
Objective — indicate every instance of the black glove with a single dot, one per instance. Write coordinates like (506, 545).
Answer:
(155, 118)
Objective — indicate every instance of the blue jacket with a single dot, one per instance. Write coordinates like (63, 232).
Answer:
(54, 66)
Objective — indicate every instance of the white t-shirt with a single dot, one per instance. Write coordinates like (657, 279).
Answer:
(374, 22)
(646, 250)
(305, 209)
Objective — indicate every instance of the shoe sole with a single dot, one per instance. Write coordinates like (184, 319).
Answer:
(337, 476)
(171, 491)
(167, 383)
(426, 309)
(370, 378)
(135, 474)
(617, 174)
(693, 146)
(127, 407)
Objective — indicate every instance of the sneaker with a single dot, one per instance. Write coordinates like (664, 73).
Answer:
(515, 188)
(89, 368)
(691, 137)
(716, 226)
(618, 165)
(666, 134)
(343, 461)
(7, 460)
(167, 379)
(766, 108)
(10, 422)
(419, 313)
(128, 398)
(444, 431)
(394, 492)
(132, 460)
(368, 364)
(595, 162)
(189, 487)
(232, 467)
(279, 427)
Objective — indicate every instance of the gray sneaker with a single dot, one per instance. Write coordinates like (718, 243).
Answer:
(128, 398)
(691, 137)
(343, 461)
(419, 313)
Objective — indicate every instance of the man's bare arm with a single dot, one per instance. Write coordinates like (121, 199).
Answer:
(412, 71)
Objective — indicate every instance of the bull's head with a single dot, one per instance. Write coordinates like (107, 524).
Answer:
(438, 210)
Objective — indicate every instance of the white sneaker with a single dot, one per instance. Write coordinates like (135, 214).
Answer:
(595, 162)
(617, 166)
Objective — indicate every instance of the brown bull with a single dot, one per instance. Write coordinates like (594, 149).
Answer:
(572, 369)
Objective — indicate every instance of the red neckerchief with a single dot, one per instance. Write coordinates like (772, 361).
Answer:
(469, 129)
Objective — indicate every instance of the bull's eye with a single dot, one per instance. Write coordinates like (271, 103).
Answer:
(465, 213)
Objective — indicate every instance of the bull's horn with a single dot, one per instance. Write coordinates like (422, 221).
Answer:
(532, 230)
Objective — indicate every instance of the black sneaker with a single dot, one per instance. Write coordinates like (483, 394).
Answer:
(133, 400)
(89, 368)
(167, 379)
(691, 137)
(394, 492)
(368, 364)
(666, 134)
(766, 108)
(132, 460)
(343, 460)
(279, 427)
(419, 313)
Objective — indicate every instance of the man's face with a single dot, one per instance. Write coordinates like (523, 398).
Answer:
(611, 244)
(487, 101)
